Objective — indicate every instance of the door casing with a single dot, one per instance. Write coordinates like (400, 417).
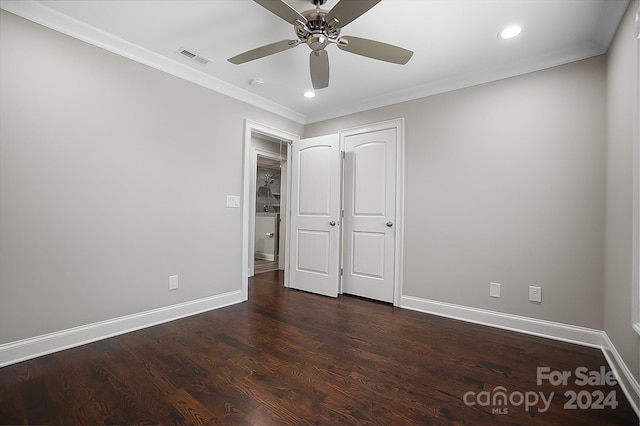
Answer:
(254, 127)
(250, 128)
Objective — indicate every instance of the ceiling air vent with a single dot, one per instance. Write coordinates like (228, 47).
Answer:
(190, 55)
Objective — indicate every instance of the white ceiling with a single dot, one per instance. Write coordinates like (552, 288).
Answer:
(455, 44)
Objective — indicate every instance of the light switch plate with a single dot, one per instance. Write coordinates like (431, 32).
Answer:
(233, 201)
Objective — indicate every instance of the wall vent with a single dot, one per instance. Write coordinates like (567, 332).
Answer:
(194, 57)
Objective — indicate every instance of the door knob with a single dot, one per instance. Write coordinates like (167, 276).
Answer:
(389, 224)
(332, 223)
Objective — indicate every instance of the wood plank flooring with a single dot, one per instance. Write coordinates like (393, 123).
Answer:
(289, 357)
(261, 266)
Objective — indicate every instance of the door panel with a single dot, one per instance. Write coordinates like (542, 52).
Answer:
(368, 254)
(315, 181)
(315, 215)
(369, 214)
(369, 176)
(313, 251)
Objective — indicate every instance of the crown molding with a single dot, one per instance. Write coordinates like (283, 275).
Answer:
(43, 15)
(606, 27)
(475, 78)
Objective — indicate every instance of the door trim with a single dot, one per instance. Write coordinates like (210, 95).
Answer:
(251, 127)
(398, 125)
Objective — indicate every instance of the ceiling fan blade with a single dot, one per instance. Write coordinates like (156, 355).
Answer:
(283, 10)
(261, 52)
(347, 11)
(319, 64)
(375, 49)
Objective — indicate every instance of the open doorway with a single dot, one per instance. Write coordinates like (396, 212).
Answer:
(269, 233)
(262, 189)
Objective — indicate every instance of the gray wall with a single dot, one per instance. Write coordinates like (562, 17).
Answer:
(505, 182)
(113, 176)
(621, 82)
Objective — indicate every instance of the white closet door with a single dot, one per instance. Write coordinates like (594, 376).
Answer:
(315, 215)
(370, 214)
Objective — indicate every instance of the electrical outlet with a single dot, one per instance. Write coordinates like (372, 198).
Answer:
(173, 282)
(494, 289)
(535, 294)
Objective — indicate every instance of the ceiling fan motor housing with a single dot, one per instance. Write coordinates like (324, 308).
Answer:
(317, 32)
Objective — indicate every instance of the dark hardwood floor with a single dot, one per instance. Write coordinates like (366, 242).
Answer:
(289, 357)
(261, 266)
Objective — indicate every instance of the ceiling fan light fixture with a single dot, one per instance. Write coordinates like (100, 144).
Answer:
(317, 28)
(317, 41)
(510, 32)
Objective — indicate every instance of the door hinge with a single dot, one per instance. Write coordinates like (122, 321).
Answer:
(342, 213)
(341, 272)
(344, 154)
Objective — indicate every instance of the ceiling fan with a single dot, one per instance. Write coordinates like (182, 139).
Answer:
(317, 28)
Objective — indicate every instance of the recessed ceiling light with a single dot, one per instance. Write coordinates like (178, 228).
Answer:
(510, 32)
(309, 94)
(256, 82)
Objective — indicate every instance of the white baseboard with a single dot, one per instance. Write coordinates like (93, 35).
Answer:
(548, 329)
(265, 256)
(13, 352)
(627, 382)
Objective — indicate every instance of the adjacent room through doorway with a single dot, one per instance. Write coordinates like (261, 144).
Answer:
(268, 203)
